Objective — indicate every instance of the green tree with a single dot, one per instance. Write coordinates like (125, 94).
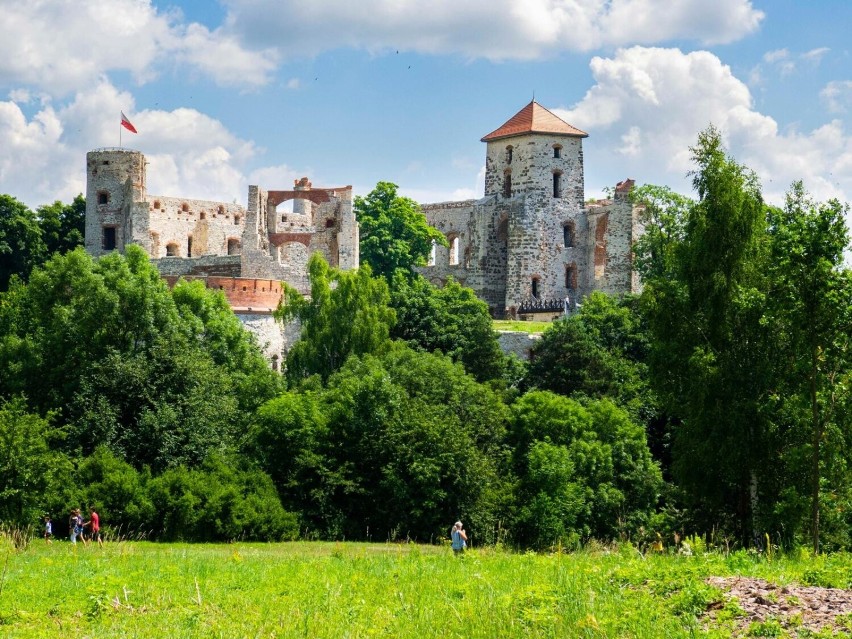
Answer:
(105, 344)
(63, 226)
(583, 470)
(711, 359)
(395, 446)
(395, 235)
(451, 320)
(30, 471)
(21, 244)
(812, 297)
(347, 314)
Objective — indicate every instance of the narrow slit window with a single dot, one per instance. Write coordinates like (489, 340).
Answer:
(535, 288)
(189, 246)
(507, 185)
(454, 251)
(557, 185)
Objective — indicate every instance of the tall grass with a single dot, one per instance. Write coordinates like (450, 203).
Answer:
(311, 589)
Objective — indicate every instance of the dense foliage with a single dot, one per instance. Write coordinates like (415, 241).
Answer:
(450, 320)
(717, 402)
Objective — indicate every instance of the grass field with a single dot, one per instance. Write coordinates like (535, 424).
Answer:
(520, 327)
(309, 589)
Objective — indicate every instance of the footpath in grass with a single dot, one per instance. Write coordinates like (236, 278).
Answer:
(301, 589)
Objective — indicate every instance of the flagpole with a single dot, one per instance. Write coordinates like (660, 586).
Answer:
(119, 135)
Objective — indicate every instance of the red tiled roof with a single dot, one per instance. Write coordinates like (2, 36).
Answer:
(534, 118)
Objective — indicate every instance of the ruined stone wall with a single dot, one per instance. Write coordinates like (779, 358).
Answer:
(480, 228)
(183, 227)
(207, 265)
(613, 228)
(517, 343)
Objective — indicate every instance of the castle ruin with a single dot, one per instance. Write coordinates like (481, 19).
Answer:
(530, 247)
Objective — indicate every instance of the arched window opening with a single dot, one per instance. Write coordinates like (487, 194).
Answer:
(202, 215)
(221, 209)
(233, 246)
(571, 277)
(184, 207)
(557, 184)
(236, 219)
(507, 184)
(454, 249)
(557, 151)
(275, 363)
(171, 250)
(568, 234)
(509, 153)
(189, 246)
(157, 204)
(535, 288)
(432, 254)
(467, 256)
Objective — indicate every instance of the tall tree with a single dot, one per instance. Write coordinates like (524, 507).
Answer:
(711, 354)
(395, 235)
(347, 314)
(812, 296)
(21, 244)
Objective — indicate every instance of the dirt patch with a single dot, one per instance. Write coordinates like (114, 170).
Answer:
(792, 607)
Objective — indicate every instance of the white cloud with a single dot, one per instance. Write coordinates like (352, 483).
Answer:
(189, 153)
(293, 83)
(814, 56)
(664, 98)
(494, 29)
(837, 95)
(62, 45)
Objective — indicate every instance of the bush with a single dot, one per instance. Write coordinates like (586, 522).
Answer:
(219, 502)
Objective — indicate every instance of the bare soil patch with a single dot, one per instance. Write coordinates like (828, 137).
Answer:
(793, 607)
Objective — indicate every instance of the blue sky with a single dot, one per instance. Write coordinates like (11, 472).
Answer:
(265, 91)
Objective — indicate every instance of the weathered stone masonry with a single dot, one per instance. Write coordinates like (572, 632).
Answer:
(528, 245)
(531, 241)
(245, 252)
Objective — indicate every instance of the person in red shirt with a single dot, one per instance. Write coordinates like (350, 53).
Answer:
(94, 525)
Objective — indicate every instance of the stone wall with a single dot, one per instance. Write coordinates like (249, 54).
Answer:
(183, 227)
(517, 343)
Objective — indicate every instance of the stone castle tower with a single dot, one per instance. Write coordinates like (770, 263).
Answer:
(116, 213)
(531, 242)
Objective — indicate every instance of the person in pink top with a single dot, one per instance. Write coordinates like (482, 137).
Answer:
(94, 525)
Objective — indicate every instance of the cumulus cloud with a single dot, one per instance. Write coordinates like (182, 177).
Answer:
(649, 104)
(189, 153)
(494, 29)
(62, 45)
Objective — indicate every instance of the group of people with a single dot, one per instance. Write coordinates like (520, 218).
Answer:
(78, 528)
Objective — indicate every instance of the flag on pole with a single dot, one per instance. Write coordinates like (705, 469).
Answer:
(127, 124)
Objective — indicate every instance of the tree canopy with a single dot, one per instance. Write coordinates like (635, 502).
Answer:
(395, 236)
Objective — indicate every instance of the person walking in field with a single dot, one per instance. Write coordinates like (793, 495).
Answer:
(48, 529)
(94, 525)
(459, 538)
(75, 525)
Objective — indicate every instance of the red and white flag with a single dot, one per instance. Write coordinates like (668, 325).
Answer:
(127, 124)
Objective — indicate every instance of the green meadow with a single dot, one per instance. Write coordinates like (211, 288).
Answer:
(335, 590)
